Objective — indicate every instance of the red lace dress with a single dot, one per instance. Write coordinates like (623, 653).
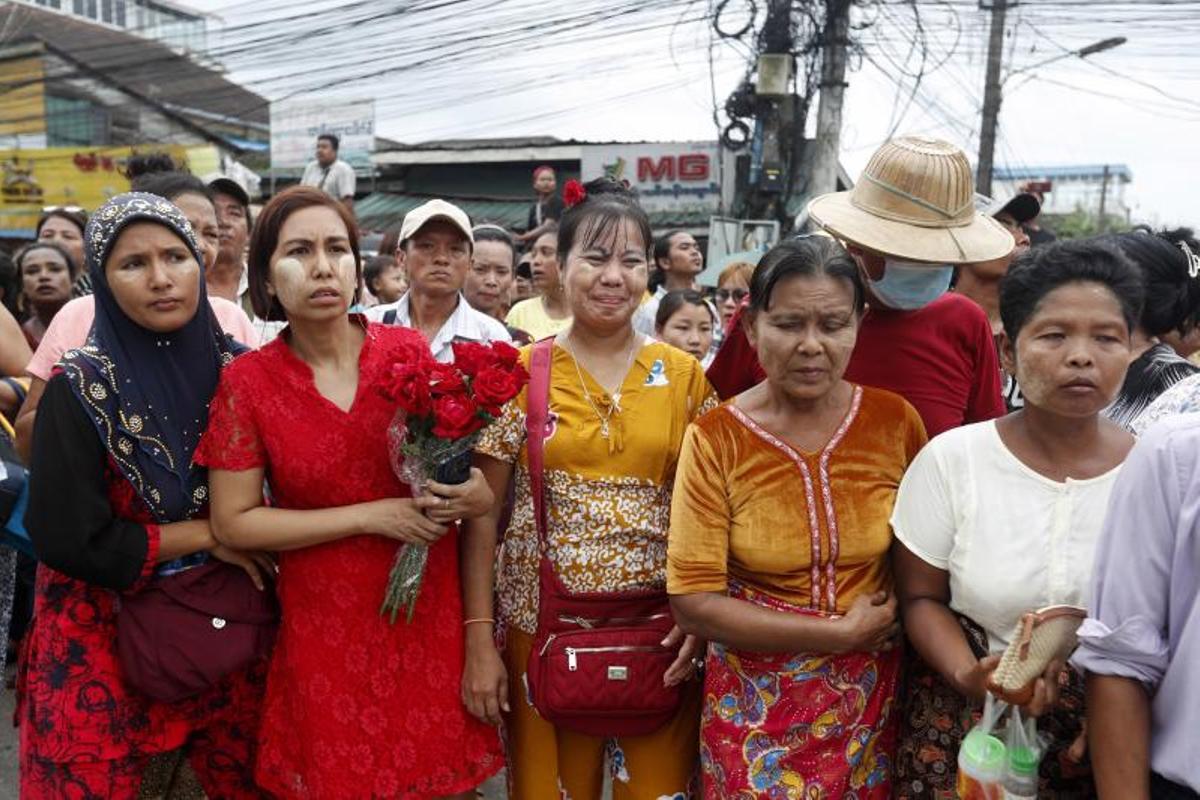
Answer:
(355, 706)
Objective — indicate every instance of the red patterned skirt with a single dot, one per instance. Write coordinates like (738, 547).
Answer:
(779, 726)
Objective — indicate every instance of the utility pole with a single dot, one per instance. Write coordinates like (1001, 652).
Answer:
(1103, 223)
(773, 134)
(835, 41)
(991, 99)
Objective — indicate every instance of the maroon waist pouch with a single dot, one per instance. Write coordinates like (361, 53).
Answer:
(183, 633)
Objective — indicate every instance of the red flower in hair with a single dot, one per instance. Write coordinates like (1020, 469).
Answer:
(573, 193)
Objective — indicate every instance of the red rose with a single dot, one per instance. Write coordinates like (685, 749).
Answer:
(470, 357)
(494, 387)
(455, 416)
(446, 379)
(412, 349)
(573, 193)
(505, 354)
(408, 387)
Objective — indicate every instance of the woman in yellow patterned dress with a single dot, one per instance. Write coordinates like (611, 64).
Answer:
(619, 404)
(779, 548)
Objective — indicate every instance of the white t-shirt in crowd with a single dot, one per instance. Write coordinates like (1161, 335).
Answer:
(464, 325)
(337, 180)
(1011, 539)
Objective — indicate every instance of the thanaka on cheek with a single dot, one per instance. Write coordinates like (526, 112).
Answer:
(289, 277)
(347, 272)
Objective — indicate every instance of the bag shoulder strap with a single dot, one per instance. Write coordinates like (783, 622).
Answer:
(537, 415)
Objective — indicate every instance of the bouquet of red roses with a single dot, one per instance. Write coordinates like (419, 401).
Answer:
(440, 411)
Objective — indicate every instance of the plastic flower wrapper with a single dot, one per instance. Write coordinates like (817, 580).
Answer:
(441, 411)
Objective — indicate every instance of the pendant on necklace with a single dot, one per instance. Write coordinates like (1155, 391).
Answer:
(604, 428)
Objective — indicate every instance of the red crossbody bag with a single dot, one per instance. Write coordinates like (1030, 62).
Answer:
(597, 662)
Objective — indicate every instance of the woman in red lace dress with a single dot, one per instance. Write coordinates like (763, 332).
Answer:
(355, 706)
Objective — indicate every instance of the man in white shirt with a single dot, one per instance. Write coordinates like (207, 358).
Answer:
(437, 244)
(329, 173)
(678, 257)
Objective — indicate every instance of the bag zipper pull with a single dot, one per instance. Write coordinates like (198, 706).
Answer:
(572, 663)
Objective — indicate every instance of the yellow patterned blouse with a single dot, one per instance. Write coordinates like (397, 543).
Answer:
(608, 501)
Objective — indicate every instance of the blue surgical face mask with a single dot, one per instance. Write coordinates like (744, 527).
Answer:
(907, 285)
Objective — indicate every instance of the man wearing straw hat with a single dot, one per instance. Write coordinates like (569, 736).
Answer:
(908, 221)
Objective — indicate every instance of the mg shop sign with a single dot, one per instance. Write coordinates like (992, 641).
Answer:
(668, 176)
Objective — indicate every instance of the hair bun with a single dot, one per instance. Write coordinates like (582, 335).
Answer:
(140, 164)
(610, 187)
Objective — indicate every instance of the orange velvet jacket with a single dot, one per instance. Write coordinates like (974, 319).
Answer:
(810, 529)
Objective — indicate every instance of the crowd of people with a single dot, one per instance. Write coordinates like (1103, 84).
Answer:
(831, 489)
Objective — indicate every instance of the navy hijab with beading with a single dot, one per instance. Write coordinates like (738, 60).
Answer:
(147, 393)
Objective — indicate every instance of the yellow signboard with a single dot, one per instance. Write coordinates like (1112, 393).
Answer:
(31, 180)
(24, 108)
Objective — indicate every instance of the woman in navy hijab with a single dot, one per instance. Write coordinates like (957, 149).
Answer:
(116, 502)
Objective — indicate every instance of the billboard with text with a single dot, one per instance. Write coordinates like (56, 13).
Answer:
(296, 124)
(681, 177)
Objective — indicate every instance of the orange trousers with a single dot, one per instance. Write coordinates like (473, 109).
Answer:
(545, 762)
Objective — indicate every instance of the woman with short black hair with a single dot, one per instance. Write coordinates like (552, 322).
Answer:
(779, 546)
(999, 518)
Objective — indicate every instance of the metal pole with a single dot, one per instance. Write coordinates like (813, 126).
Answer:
(775, 126)
(1103, 226)
(833, 90)
(991, 99)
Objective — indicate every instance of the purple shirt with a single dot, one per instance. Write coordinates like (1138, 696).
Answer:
(1145, 618)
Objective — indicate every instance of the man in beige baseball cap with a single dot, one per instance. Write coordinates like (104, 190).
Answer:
(436, 243)
(907, 222)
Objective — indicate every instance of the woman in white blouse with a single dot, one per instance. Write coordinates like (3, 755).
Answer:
(998, 518)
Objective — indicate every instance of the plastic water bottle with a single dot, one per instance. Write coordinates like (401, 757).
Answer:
(981, 762)
(1021, 774)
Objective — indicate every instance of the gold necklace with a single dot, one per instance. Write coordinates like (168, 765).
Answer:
(614, 406)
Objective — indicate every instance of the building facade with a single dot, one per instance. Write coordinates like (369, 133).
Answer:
(172, 24)
(1068, 189)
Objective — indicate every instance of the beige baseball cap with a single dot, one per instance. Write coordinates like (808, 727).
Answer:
(435, 209)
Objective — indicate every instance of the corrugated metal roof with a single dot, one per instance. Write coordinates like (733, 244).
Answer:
(380, 210)
(137, 64)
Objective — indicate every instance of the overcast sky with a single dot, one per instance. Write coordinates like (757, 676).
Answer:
(656, 85)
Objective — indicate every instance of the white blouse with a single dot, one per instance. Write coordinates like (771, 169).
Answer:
(1011, 539)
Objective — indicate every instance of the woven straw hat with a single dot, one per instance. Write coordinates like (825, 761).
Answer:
(915, 201)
